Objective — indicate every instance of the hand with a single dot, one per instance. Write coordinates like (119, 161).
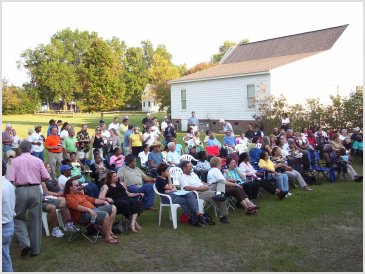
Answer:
(92, 212)
(168, 174)
(110, 200)
(141, 194)
(106, 202)
(189, 188)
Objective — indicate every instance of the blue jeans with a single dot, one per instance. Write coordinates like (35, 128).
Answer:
(38, 155)
(5, 149)
(8, 232)
(281, 181)
(147, 189)
(188, 202)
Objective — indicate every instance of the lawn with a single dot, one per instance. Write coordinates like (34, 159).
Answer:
(320, 230)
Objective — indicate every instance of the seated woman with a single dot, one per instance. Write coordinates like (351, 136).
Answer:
(99, 169)
(247, 169)
(293, 175)
(266, 143)
(301, 141)
(215, 176)
(197, 142)
(242, 139)
(206, 138)
(188, 202)
(203, 166)
(312, 141)
(117, 160)
(188, 136)
(234, 175)
(212, 141)
(281, 178)
(124, 201)
(143, 155)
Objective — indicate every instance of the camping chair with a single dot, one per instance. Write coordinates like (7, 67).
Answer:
(315, 167)
(212, 150)
(255, 157)
(175, 174)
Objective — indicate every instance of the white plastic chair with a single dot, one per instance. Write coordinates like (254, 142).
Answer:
(240, 148)
(258, 145)
(175, 174)
(188, 157)
(45, 221)
(172, 211)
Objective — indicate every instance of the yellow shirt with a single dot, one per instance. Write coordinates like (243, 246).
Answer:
(123, 129)
(136, 140)
(268, 164)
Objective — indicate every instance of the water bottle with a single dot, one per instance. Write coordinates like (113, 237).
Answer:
(93, 219)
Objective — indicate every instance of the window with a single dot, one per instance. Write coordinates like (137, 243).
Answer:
(250, 96)
(149, 103)
(144, 104)
(183, 99)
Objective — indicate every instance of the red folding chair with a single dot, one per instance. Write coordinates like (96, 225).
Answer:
(213, 150)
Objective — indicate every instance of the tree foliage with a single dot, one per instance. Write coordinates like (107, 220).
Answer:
(199, 67)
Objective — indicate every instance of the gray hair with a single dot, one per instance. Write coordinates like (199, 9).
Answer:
(8, 125)
(25, 146)
(70, 130)
(30, 132)
(170, 145)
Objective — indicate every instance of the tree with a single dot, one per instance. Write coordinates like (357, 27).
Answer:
(104, 88)
(162, 70)
(222, 50)
(199, 67)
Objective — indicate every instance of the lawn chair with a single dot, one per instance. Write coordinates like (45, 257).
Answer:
(316, 167)
(175, 174)
(188, 157)
(45, 221)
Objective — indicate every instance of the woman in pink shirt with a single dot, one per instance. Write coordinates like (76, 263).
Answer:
(117, 159)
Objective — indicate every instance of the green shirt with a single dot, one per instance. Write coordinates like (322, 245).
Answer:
(131, 176)
(69, 143)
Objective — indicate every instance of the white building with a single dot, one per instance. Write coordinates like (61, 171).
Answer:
(286, 65)
(148, 100)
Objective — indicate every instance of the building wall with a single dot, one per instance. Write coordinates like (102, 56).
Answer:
(153, 106)
(217, 98)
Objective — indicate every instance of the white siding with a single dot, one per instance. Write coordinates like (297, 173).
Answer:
(215, 99)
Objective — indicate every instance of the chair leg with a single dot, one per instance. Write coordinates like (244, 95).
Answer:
(45, 223)
(159, 216)
(173, 212)
(59, 218)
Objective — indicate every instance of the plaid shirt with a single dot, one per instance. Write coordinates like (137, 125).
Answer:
(84, 146)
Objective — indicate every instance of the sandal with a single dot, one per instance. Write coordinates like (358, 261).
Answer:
(133, 228)
(114, 236)
(138, 227)
(111, 241)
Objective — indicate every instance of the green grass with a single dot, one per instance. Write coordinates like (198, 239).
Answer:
(309, 231)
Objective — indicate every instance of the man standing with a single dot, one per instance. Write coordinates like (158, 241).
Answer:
(127, 147)
(83, 140)
(133, 177)
(155, 129)
(8, 213)
(190, 182)
(115, 125)
(164, 124)
(59, 126)
(7, 138)
(124, 125)
(169, 133)
(53, 145)
(52, 123)
(37, 140)
(69, 143)
(226, 126)
(249, 133)
(193, 122)
(27, 172)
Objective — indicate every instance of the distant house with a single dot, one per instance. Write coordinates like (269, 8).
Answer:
(148, 100)
(257, 69)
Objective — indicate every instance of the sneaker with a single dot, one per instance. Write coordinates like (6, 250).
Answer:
(289, 194)
(69, 227)
(219, 198)
(306, 188)
(56, 232)
(223, 220)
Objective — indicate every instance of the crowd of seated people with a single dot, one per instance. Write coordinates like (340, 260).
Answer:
(118, 177)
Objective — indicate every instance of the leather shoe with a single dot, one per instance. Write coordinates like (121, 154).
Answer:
(25, 251)
(151, 208)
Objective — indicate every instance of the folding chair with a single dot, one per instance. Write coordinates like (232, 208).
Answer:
(315, 167)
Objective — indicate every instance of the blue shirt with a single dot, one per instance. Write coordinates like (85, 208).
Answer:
(155, 157)
(212, 142)
(229, 140)
(126, 137)
(193, 121)
(178, 149)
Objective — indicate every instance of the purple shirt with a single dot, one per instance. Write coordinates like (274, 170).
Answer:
(7, 138)
(26, 169)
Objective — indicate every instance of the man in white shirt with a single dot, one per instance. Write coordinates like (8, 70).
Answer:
(115, 125)
(65, 175)
(36, 139)
(8, 213)
(164, 124)
(190, 182)
(155, 128)
(173, 157)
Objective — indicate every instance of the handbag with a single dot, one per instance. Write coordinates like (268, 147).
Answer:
(120, 227)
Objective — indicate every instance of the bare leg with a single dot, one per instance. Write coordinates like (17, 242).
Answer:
(51, 210)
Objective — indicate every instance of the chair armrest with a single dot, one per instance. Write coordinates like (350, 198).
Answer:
(166, 195)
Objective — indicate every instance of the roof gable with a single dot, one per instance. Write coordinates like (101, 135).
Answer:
(262, 56)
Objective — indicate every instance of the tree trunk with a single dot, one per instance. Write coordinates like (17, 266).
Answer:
(64, 105)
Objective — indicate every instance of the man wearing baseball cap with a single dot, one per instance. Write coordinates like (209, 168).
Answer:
(65, 175)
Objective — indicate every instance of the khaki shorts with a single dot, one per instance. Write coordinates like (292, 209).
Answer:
(47, 202)
(101, 212)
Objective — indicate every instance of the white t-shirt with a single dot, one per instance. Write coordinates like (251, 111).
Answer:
(62, 181)
(115, 126)
(163, 126)
(150, 141)
(8, 201)
(190, 180)
(106, 135)
(156, 130)
(173, 157)
(63, 134)
(144, 158)
(16, 142)
(214, 175)
(36, 137)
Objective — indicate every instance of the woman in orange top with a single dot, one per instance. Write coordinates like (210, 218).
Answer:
(83, 210)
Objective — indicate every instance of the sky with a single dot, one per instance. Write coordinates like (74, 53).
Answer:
(191, 31)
